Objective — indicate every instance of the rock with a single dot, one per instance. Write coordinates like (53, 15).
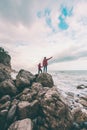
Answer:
(7, 87)
(25, 124)
(42, 128)
(4, 75)
(5, 99)
(5, 57)
(75, 126)
(3, 115)
(26, 95)
(37, 87)
(35, 93)
(14, 102)
(82, 86)
(45, 79)
(55, 110)
(83, 125)
(26, 109)
(11, 114)
(24, 79)
(84, 97)
(38, 91)
(79, 116)
(26, 91)
(83, 102)
(23, 109)
(5, 105)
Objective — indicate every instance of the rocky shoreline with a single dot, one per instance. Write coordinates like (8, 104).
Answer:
(33, 102)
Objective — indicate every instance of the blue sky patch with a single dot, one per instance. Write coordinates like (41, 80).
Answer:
(49, 22)
(39, 14)
(65, 12)
(63, 25)
(47, 12)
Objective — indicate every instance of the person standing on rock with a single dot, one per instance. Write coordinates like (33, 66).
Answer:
(45, 64)
(39, 68)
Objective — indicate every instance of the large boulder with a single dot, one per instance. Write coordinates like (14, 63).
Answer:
(56, 113)
(7, 87)
(45, 79)
(4, 75)
(25, 124)
(24, 79)
(26, 109)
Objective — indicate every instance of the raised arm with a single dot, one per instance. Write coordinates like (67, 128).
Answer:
(49, 58)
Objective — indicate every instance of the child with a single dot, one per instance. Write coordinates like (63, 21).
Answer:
(39, 68)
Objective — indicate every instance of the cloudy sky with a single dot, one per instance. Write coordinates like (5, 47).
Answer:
(32, 29)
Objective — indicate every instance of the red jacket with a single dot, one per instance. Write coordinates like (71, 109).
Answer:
(45, 61)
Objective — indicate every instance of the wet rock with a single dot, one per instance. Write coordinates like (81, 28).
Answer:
(83, 102)
(55, 111)
(26, 109)
(84, 97)
(45, 79)
(24, 79)
(82, 86)
(25, 124)
(7, 87)
(5, 99)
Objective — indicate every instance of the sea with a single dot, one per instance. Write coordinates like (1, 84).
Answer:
(68, 80)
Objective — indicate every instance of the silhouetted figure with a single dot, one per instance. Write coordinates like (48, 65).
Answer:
(39, 68)
(45, 63)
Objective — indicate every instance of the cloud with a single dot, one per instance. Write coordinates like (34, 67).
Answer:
(69, 55)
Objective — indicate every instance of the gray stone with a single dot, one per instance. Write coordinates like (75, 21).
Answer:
(25, 124)
(82, 86)
(5, 99)
(56, 111)
(79, 115)
(45, 79)
(11, 114)
(24, 79)
(5, 105)
(7, 87)
(26, 109)
(4, 75)
(3, 116)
